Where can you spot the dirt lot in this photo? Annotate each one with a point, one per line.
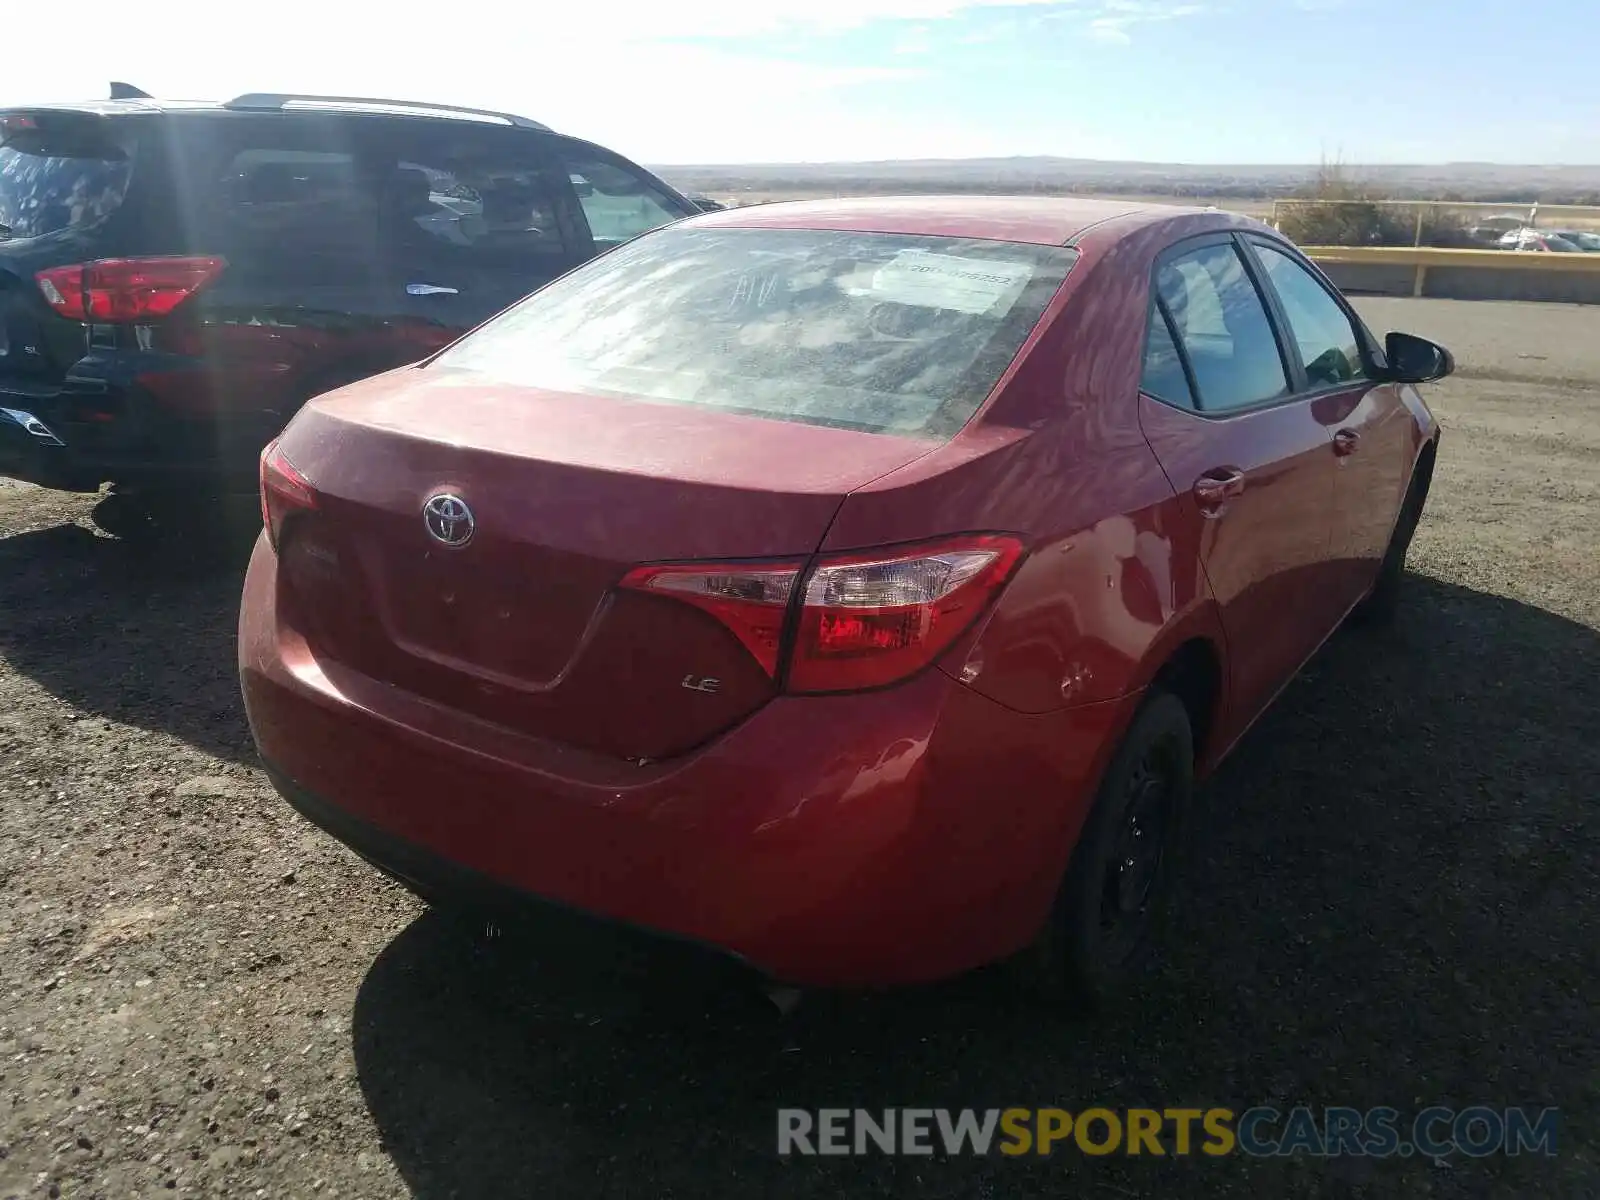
(1395, 903)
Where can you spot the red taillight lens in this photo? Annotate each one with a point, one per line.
(63, 290)
(284, 491)
(867, 620)
(751, 599)
(114, 290)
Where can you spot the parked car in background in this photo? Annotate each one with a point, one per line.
(858, 587)
(1584, 240)
(177, 279)
(706, 203)
(1543, 240)
(1490, 230)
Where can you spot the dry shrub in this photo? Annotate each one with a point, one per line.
(1336, 211)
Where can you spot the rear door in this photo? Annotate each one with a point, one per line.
(1251, 461)
(307, 300)
(475, 218)
(355, 243)
(1373, 431)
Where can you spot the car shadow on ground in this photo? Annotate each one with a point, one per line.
(1387, 906)
(140, 635)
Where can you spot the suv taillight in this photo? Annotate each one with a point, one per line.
(117, 290)
(864, 620)
(284, 491)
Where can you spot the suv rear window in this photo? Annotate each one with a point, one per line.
(878, 332)
(56, 180)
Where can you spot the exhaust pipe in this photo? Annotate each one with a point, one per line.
(33, 425)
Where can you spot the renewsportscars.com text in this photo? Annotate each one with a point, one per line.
(1436, 1132)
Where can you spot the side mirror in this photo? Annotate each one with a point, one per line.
(1416, 360)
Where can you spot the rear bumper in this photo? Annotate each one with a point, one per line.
(33, 451)
(866, 839)
(439, 880)
(51, 440)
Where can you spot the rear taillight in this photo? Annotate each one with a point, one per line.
(867, 620)
(114, 290)
(752, 600)
(863, 620)
(284, 491)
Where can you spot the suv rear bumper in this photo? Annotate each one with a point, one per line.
(33, 451)
(37, 446)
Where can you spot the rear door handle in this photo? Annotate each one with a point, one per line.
(1346, 442)
(1214, 489)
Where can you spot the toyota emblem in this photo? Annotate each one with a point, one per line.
(448, 519)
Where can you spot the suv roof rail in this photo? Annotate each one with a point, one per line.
(268, 101)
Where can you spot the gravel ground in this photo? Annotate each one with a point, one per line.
(1394, 902)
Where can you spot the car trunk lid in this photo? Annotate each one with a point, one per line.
(522, 623)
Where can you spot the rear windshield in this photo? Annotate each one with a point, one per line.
(877, 332)
(51, 181)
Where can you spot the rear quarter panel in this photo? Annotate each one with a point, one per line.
(1111, 585)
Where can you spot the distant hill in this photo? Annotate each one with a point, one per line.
(1494, 182)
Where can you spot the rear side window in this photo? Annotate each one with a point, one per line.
(59, 179)
(494, 204)
(403, 192)
(618, 203)
(1163, 376)
(290, 198)
(877, 332)
(1220, 319)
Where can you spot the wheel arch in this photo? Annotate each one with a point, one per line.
(1189, 659)
(1193, 672)
(1422, 469)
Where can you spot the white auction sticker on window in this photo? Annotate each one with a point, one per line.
(968, 285)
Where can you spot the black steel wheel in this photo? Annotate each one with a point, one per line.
(1108, 913)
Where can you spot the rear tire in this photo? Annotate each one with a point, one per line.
(129, 517)
(1112, 901)
(197, 523)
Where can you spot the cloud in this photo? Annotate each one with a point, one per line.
(915, 41)
(1110, 29)
(712, 20)
(1117, 17)
(718, 80)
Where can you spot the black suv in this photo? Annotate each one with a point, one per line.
(177, 279)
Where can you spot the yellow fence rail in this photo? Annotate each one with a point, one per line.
(1420, 258)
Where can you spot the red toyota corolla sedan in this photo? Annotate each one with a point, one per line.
(855, 587)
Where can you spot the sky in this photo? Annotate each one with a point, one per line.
(740, 81)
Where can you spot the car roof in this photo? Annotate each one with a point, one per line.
(1042, 220)
(286, 104)
(113, 108)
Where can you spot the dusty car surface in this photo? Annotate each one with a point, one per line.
(858, 587)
